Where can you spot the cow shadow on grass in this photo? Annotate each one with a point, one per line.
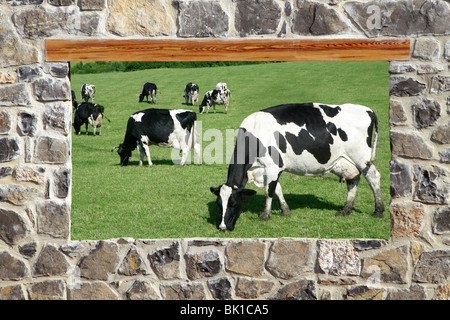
(158, 162)
(255, 205)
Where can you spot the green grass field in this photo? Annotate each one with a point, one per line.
(168, 201)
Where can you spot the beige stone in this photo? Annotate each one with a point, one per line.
(246, 257)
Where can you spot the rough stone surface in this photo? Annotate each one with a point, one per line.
(12, 227)
(100, 262)
(14, 95)
(433, 267)
(183, 291)
(443, 292)
(407, 219)
(364, 293)
(50, 89)
(402, 67)
(62, 178)
(444, 156)
(397, 114)
(401, 180)
(11, 268)
(142, 290)
(246, 258)
(220, 289)
(92, 291)
(427, 49)
(303, 289)
(28, 250)
(132, 264)
(53, 218)
(139, 17)
(433, 186)
(50, 262)
(12, 293)
(257, 17)
(442, 134)
(440, 84)
(290, 258)
(9, 149)
(251, 288)
(56, 117)
(166, 262)
(30, 174)
(51, 150)
(13, 51)
(204, 264)
(426, 113)
(338, 257)
(27, 124)
(17, 194)
(195, 19)
(405, 87)
(388, 266)
(441, 221)
(92, 5)
(5, 122)
(47, 290)
(409, 145)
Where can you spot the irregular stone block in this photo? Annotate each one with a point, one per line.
(426, 113)
(433, 186)
(13, 51)
(62, 179)
(60, 3)
(100, 262)
(183, 291)
(92, 291)
(409, 145)
(442, 134)
(203, 264)
(440, 84)
(407, 219)
(59, 70)
(201, 19)
(12, 293)
(17, 194)
(57, 117)
(47, 290)
(290, 258)
(252, 288)
(14, 95)
(444, 156)
(132, 264)
(92, 5)
(166, 262)
(9, 149)
(443, 292)
(50, 262)
(29, 174)
(397, 114)
(49, 89)
(28, 73)
(12, 227)
(441, 221)
(11, 268)
(405, 87)
(433, 267)
(5, 171)
(5, 122)
(28, 250)
(388, 266)
(429, 69)
(427, 49)
(303, 289)
(6, 77)
(257, 17)
(338, 257)
(401, 181)
(220, 289)
(51, 150)
(246, 258)
(400, 68)
(53, 218)
(27, 124)
(142, 290)
(364, 293)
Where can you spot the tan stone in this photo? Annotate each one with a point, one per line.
(407, 219)
(387, 266)
(92, 291)
(338, 257)
(246, 257)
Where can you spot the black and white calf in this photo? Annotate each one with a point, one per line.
(214, 97)
(87, 92)
(88, 113)
(149, 89)
(305, 139)
(161, 127)
(191, 93)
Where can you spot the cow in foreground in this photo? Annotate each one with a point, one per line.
(161, 127)
(89, 113)
(149, 89)
(214, 97)
(308, 139)
(191, 93)
(87, 92)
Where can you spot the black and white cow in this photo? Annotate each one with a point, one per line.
(161, 127)
(87, 92)
(308, 139)
(74, 100)
(88, 113)
(214, 97)
(191, 93)
(149, 89)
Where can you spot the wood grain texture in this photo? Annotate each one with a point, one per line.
(227, 50)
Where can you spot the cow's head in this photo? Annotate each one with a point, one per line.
(124, 154)
(230, 203)
(141, 97)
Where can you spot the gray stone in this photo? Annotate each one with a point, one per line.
(28, 174)
(14, 95)
(201, 19)
(338, 257)
(62, 178)
(302, 289)
(409, 145)
(13, 51)
(47, 290)
(444, 156)
(290, 258)
(53, 218)
(17, 194)
(50, 262)
(245, 257)
(441, 221)
(5, 171)
(12, 227)
(28, 73)
(166, 262)
(27, 124)
(9, 149)
(429, 69)
(362, 245)
(28, 250)
(427, 49)
(56, 117)
(415, 292)
(426, 113)
(363, 293)
(60, 70)
(433, 267)
(5, 122)
(257, 17)
(220, 289)
(447, 50)
(183, 291)
(142, 290)
(100, 262)
(92, 5)
(433, 186)
(49, 89)
(23, 2)
(386, 266)
(440, 84)
(92, 291)
(402, 67)
(252, 288)
(397, 114)
(203, 264)
(401, 181)
(132, 264)
(11, 268)
(288, 8)
(442, 134)
(12, 293)
(60, 3)
(405, 87)
(51, 150)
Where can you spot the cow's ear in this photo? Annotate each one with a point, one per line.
(248, 192)
(216, 191)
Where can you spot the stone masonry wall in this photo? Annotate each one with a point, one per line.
(39, 261)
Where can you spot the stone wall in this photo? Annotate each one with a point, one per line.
(39, 261)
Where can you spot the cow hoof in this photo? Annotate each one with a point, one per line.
(285, 211)
(343, 213)
(264, 216)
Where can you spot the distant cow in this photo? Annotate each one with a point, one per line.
(87, 92)
(191, 93)
(149, 89)
(214, 97)
(88, 113)
(74, 100)
(221, 86)
(161, 127)
(308, 139)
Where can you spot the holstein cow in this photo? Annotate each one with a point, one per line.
(214, 97)
(191, 93)
(149, 89)
(161, 127)
(87, 92)
(74, 100)
(89, 113)
(308, 139)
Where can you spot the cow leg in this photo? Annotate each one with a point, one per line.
(284, 206)
(86, 127)
(373, 178)
(144, 150)
(352, 186)
(272, 187)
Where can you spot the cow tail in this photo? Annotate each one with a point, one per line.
(374, 128)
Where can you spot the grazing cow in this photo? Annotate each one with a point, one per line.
(305, 139)
(87, 92)
(161, 127)
(191, 93)
(221, 86)
(89, 113)
(214, 97)
(149, 89)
